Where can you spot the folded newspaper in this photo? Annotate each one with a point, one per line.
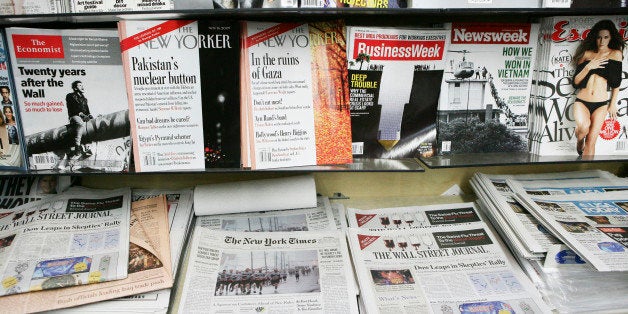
(594, 225)
(320, 217)
(503, 210)
(148, 266)
(180, 214)
(280, 272)
(444, 269)
(65, 240)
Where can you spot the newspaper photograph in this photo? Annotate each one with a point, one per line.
(444, 269)
(65, 240)
(19, 190)
(148, 265)
(320, 217)
(280, 272)
(594, 225)
(410, 217)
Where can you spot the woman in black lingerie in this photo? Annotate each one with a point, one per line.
(599, 70)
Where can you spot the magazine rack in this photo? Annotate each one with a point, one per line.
(353, 16)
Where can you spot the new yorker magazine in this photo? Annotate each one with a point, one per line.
(295, 95)
(72, 100)
(183, 85)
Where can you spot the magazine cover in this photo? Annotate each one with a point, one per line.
(41, 6)
(485, 92)
(395, 78)
(252, 4)
(12, 154)
(183, 86)
(71, 95)
(295, 95)
(588, 114)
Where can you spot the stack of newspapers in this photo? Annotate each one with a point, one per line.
(291, 256)
(435, 259)
(564, 228)
(124, 244)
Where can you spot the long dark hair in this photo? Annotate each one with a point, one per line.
(6, 119)
(590, 42)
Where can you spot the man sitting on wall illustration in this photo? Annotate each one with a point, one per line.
(78, 113)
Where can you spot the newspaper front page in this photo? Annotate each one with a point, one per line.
(65, 240)
(568, 186)
(594, 225)
(446, 269)
(275, 272)
(18, 190)
(148, 265)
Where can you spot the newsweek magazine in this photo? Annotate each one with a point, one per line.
(395, 78)
(295, 95)
(444, 269)
(12, 152)
(485, 95)
(594, 225)
(148, 266)
(410, 217)
(555, 130)
(183, 87)
(70, 121)
(308, 272)
(65, 240)
(18, 190)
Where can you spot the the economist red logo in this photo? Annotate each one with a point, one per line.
(38, 46)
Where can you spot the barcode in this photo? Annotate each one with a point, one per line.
(44, 159)
(621, 145)
(265, 156)
(311, 4)
(150, 160)
(445, 146)
(357, 148)
(556, 3)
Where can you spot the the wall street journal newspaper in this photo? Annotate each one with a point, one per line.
(65, 240)
(149, 266)
(594, 225)
(446, 269)
(179, 217)
(307, 272)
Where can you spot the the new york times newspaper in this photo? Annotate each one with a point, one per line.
(65, 240)
(283, 272)
(439, 270)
